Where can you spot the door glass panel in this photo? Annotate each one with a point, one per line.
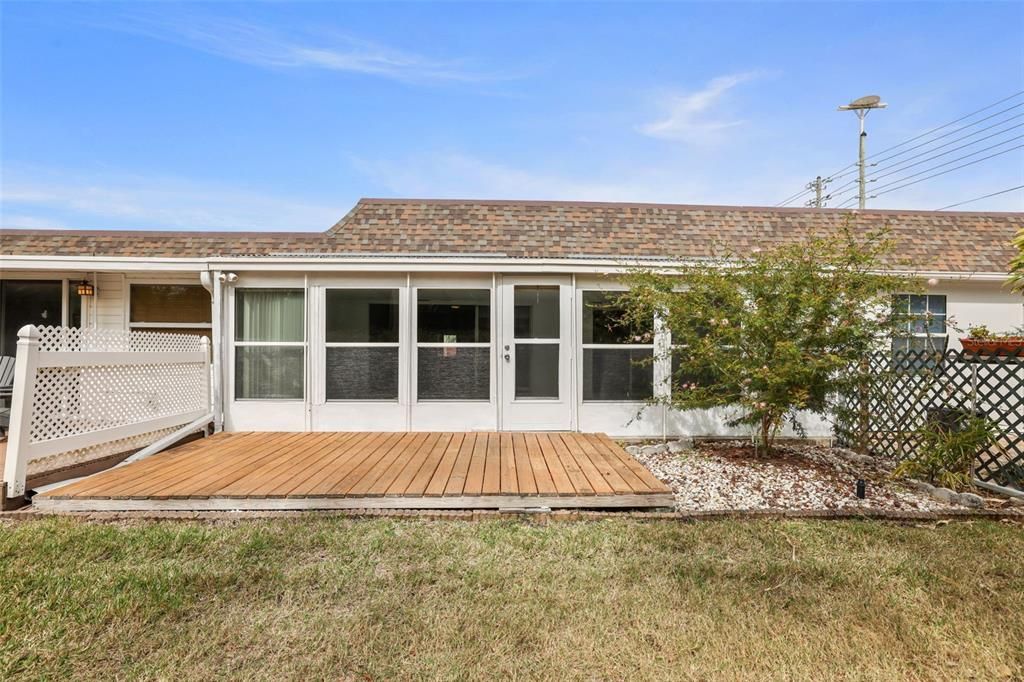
(453, 316)
(536, 370)
(27, 302)
(536, 312)
(362, 316)
(454, 373)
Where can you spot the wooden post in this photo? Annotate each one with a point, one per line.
(15, 464)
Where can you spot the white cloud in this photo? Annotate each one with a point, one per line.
(258, 45)
(690, 115)
(34, 197)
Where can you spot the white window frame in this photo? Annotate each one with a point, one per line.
(615, 346)
(417, 344)
(944, 336)
(236, 344)
(359, 344)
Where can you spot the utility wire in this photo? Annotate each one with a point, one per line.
(877, 177)
(970, 201)
(935, 175)
(925, 144)
(840, 173)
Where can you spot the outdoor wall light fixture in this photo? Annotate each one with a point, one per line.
(85, 288)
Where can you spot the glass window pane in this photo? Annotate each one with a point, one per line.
(614, 374)
(536, 312)
(355, 373)
(536, 370)
(937, 324)
(362, 316)
(602, 321)
(454, 373)
(172, 303)
(937, 305)
(918, 304)
(27, 302)
(269, 372)
(453, 315)
(269, 314)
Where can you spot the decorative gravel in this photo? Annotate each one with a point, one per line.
(729, 477)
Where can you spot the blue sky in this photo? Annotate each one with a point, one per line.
(281, 115)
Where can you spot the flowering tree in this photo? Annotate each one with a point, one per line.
(774, 332)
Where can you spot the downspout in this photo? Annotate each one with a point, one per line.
(211, 281)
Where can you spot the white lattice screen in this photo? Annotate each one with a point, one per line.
(82, 394)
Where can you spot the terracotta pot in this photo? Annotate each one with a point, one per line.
(1007, 345)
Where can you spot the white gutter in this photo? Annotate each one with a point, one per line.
(355, 263)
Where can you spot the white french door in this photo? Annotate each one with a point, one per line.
(534, 356)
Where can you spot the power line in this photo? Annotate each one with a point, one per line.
(854, 166)
(970, 201)
(969, 125)
(928, 177)
(903, 165)
(945, 125)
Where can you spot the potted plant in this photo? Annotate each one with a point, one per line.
(981, 341)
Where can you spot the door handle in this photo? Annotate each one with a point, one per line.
(508, 358)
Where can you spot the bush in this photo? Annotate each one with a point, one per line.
(948, 448)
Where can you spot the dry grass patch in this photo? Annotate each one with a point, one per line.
(333, 597)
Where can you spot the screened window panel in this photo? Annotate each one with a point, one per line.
(362, 316)
(453, 315)
(703, 378)
(269, 315)
(614, 374)
(269, 372)
(361, 373)
(454, 373)
(536, 312)
(169, 303)
(602, 321)
(537, 370)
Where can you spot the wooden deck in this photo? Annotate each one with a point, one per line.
(270, 470)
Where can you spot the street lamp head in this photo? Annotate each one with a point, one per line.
(868, 102)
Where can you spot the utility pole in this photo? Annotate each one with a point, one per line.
(861, 107)
(818, 184)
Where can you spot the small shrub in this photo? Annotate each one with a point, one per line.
(947, 451)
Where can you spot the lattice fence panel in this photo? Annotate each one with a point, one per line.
(75, 400)
(94, 340)
(89, 393)
(911, 388)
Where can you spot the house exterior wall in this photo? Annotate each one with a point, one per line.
(968, 302)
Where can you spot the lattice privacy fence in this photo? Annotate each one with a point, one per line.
(911, 389)
(82, 394)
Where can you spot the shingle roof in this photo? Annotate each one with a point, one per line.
(940, 241)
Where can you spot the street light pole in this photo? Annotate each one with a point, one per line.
(861, 107)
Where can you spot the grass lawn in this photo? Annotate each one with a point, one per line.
(324, 597)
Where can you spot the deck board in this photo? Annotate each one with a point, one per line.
(324, 470)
